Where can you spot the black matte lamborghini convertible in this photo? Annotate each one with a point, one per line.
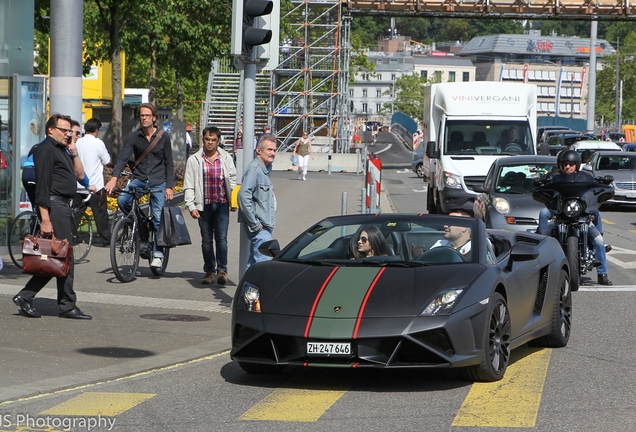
(438, 292)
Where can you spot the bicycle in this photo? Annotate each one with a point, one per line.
(28, 223)
(132, 238)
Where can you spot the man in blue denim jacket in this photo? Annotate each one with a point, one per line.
(257, 202)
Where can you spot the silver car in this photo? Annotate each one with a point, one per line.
(505, 200)
(621, 166)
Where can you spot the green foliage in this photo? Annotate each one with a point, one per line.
(409, 95)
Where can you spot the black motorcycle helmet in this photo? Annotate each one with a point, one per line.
(569, 156)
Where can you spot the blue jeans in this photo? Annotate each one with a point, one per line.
(594, 237)
(256, 239)
(157, 202)
(213, 223)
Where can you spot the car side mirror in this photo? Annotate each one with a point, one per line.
(431, 151)
(586, 167)
(270, 248)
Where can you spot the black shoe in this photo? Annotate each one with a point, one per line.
(608, 248)
(26, 308)
(604, 280)
(75, 313)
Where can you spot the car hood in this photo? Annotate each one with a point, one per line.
(354, 291)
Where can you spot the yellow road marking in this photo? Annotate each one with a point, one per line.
(513, 401)
(293, 405)
(632, 231)
(99, 404)
(605, 221)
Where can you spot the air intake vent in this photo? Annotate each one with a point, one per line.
(521, 238)
(541, 289)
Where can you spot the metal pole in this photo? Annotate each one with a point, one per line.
(343, 210)
(617, 110)
(363, 200)
(249, 102)
(591, 91)
(66, 58)
(329, 161)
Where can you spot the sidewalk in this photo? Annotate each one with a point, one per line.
(150, 322)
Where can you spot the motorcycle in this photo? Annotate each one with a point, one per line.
(573, 204)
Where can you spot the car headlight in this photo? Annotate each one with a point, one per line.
(251, 296)
(452, 181)
(443, 303)
(572, 208)
(501, 205)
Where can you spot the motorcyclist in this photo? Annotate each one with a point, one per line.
(569, 163)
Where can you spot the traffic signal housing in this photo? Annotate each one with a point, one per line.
(255, 32)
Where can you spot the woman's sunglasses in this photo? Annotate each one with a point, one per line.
(363, 239)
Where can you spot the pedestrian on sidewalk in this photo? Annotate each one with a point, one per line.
(303, 149)
(210, 176)
(93, 154)
(257, 202)
(57, 169)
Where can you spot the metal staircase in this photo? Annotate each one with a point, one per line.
(225, 98)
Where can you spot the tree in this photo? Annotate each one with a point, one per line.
(409, 95)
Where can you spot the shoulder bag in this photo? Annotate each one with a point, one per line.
(46, 257)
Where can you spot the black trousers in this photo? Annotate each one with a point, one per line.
(62, 219)
(100, 213)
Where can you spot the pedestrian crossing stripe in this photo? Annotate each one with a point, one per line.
(293, 405)
(512, 402)
(93, 404)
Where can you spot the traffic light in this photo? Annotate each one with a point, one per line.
(255, 32)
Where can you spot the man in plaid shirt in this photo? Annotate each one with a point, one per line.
(209, 179)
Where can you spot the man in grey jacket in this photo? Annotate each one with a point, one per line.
(209, 179)
(256, 198)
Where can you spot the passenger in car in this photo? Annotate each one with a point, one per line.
(370, 243)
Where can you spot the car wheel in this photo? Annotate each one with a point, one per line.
(419, 170)
(561, 316)
(495, 345)
(264, 369)
(573, 261)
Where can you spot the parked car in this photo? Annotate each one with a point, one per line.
(542, 129)
(621, 166)
(506, 192)
(567, 139)
(586, 147)
(418, 159)
(629, 147)
(421, 304)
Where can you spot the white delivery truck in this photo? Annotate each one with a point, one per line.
(467, 125)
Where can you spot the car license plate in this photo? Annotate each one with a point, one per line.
(328, 348)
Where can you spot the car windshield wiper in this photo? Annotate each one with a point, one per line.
(403, 263)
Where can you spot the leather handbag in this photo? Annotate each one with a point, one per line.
(46, 257)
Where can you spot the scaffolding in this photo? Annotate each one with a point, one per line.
(309, 89)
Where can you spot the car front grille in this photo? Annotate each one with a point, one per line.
(472, 181)
(630, 186)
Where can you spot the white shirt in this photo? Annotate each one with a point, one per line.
(188, 140)
(443, 242)
(93, 154)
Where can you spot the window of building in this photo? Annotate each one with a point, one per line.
(465, 76)
(379, 77)
(351, 107)
(378, 92)
(378, 107)
(351, 92)
(451, 76)
(438, 76)
(393, 77)
(364, 107)
(364, 92)
(424, 74)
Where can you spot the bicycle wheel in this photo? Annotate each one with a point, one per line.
(82, 237)
(158, 271)
(24, 224)
(124, 250)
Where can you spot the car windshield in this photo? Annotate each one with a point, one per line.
(404, 241)
(615, 163)
(519, 179)
(484, 137)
